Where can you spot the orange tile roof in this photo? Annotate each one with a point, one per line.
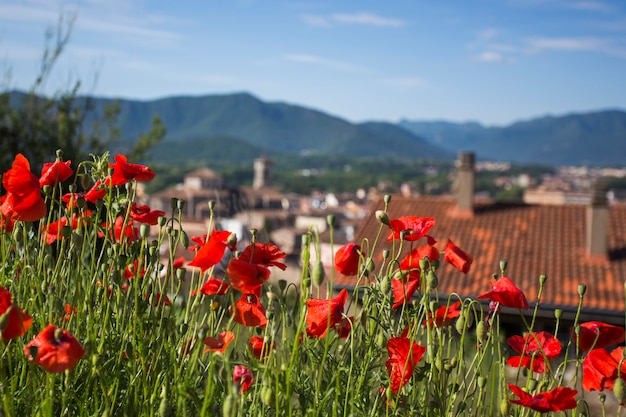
(535, 239)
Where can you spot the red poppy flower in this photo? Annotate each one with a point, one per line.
(344, 327)
(125, 230)
(213, 286)
(534, 349)
(259, 347)
(412, 259)
(403, 356)
(212, 251)
(6, 223)
(123, 171)
(414, 227)
(323, 314)
(220, 343)
(263, 254)
(178, 262)
(158, 299)
(600, 369)
(23, 200)
(143, 214)
(247, 277)
(403, 289)
(199, 242)
(69, 312)
(14, 322)
(557, 399)
(606, 334)
(242, 377)
(444, 315)
(55, 172)
(347, 259)
(249, 311)
(457, 257)
(52, 231)
(506, 293)
(94, 194)
(55, 350)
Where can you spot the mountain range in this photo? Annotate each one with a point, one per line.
(240, 127)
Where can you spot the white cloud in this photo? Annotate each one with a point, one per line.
(361, 18)
(324, 63)
(364, 18)
(586, 44)
(594, 6)
(315, 20)
(489, 56)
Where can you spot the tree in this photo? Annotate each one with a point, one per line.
(36, 126)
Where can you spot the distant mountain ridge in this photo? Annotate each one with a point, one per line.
(239, 125)
(594, 138)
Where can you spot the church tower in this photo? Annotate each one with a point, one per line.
(262, 172)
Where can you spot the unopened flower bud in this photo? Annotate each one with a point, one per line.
(144, 230)
(432, 280)
(385, 253)
(385, 285)
(267, 395)
(382, 217)
(180, 204)
(482, 382)
(558, 313)
(582, 289)
(618, 391)
(228, 406)
(532, 384)
(318, 274)
(211, 205)
(161, 220)
(460, 324)
(232, 239)
(503, 264)
(481, 331)
(542, 279)
(505, 407)
(282, 284)
(387, 198)
(330, 219)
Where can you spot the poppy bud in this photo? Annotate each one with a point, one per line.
(173, 203)
(542, 279)
(481, 331)
(232, 239)
(505, 407)
(228, 406)
(432, 280)
(382, 217)
(330, 219)
(165, 408)
(387, 198)
(211, 205)
(582, 289)
(84, 182)
(370, 265)
(482, 382)
(385, 285)
(72, 188)
(380, 339)
(558, 313)
(532, 384)
(144, 230)
(267, 395)
(282, 284)
(317, 274)
(460, 324)
(385, 253)
(503, 265)
(47, 190)
(618, 391)
(180, 204)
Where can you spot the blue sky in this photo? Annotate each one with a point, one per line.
(492, 61)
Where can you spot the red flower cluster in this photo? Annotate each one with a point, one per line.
(347, 259)
(14, 322)
(412, 227)
(506, 293)
(220, 343)
(123, 171)
(403, 356)
(534, 349)
(600, 369)
(250, 269)
(323, 314)
(54, 349)
(243, 378)
(557, 399)
(23, 199)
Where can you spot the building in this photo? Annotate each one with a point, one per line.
(571, 244)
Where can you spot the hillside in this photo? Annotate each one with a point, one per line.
(272, 127)
(597, 138)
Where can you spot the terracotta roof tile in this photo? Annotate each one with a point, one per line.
(535, 239)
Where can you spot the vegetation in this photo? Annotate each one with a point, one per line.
(98, 316)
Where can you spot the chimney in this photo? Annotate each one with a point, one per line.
(597, 226)
(465, 185)
(262, 167)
